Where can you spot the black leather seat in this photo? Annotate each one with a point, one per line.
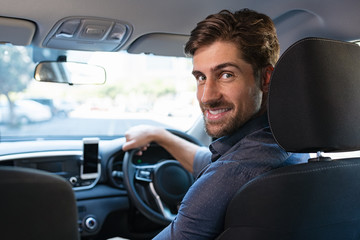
(314, 106)
(36, 205)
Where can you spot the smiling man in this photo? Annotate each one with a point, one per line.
(228, 93)
(233, 58)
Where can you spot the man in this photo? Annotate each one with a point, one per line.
(233, 58)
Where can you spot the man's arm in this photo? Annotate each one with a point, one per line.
(141, 136)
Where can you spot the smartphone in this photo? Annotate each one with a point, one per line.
(90, 166)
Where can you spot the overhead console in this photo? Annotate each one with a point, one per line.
(88, 33)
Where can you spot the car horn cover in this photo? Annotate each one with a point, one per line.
(171, 182)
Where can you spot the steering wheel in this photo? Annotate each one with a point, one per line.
(166, 183)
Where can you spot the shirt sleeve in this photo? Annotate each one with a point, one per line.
(202, 211)
(202, 159)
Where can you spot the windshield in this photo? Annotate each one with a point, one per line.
(140, 89)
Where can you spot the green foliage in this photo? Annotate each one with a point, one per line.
(16, 68)
(156, 87)
(110, 90)
(152, 87)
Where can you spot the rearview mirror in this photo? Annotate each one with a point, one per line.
(71, 73)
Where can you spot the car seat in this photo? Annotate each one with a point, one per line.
(313, 107)
(36, 205)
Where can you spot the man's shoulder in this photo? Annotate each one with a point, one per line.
(258, 140)
(257, 150)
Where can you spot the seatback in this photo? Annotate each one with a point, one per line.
(36, 205)
(314, 106)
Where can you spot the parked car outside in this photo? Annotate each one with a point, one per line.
(59, 108)
(25, 112)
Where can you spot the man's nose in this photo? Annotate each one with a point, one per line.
(211, 91)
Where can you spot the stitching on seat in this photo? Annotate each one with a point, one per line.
(300, 172)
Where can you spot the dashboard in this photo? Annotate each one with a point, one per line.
(103, 205)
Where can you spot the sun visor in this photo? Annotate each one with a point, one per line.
(89, 34)
(160, 44)
(16, 31)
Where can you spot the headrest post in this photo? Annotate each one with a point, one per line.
(319, 157)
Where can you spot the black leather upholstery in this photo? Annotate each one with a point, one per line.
(314, 97)
(319, 200)
(314, 105)
(36, 205)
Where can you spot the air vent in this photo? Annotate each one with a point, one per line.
(114, 171)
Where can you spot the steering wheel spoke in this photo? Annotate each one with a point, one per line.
(144, 173)
(164, 210)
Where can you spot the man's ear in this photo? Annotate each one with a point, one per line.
(265, 81)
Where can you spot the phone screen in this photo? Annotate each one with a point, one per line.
(89, 168)
(91, 152)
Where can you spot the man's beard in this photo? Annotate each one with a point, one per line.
(233, 122)
(221, 128)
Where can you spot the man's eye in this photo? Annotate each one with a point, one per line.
(201, 78)
(226, 75)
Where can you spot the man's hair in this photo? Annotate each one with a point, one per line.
(254, 33)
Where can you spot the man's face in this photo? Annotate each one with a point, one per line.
(226, 88)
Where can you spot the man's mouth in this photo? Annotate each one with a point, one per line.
(215, 114)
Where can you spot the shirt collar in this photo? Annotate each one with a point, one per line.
(223, 144)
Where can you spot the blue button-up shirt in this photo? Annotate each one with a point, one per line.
(235, 160)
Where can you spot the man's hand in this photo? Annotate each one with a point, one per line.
(140, 137)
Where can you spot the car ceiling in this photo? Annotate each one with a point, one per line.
(162, 26)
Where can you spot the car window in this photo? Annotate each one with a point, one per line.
(140, 89)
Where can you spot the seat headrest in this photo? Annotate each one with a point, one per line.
(314, 98)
